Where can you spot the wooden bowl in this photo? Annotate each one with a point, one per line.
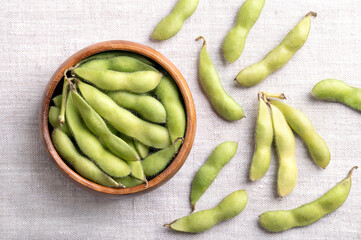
(182, 155)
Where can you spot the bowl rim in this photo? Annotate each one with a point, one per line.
(121, 45)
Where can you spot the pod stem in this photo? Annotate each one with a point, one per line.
(312, 14)
(204, 40)
(145, 182)
(274, 95)
(121, 185)
(193, 207)
(350, 172)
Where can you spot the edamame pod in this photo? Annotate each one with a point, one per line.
(90, 145)
(171, 24)
(264, 138)
(338, 91)
(129, 181)
(286, 147)
(279, 56)
(83, 166)
(303, 127)
(57, 100)
(235, 40)
(220, 156)
(222, 103)
(147, 106)
(229, 207)
(279, 221)
(138, 82)
(158, 161)
(142, 149)
(53, 119)
(99, 128)
(124, 121)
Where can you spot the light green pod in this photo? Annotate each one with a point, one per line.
(138, 82)
(168, 93)
(64, 96)
(222, 103)
(129, 181)
(220, 156)
(229, 207)
(279, 221)
(142, 149)
(124, 121)
(112, 54)
(155, 163)
(171, 24)
(235, 40)
(57, 100)
(146, 106)
(303, 127)
(83, 166)
(338, 91)
(279, 56)
(100, 129)
(286, 147)
(264, 137)
(90, 145)
(53, 119)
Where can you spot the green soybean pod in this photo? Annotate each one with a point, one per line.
(100, 129)
(112, 54)
(229, 207)
(338, 91)
(146, 106)
(138, 82)
(204, 177)
(235, 40)
(53, 119)
(168, 93)
(155, 163)
(279, 56)
(171, 24)
(129, 181)
(303, 127)
(142, 149)
(222, 103)
(124, 121)
(83, 166)
(57, 100)
(286, 147)
(282, 220)
(264, 138)
(90, 145)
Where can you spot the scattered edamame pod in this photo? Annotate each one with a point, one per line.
(138, 82)
(235, 40)
(100, 129)
(338, 91)
(142, 149)
(90, 145)
(279, 56)
(222, 103)
(171, 24)
(303, 127)
(264, 137)
(147, 106)
(220, 156)
(286, 147)
(124, 121)
(279, 221)
(53, 119)
(57, 100)
(229, 207)
(158, 161)
(83, 166)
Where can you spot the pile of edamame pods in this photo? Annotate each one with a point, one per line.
(119, 120)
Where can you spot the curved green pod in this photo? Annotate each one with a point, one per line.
(264, 137)
(53, 119)
(118, 53)
(286, 147)
(57, 100)
(303, 127)
(171, 24)
(279, 56)
(338, 91)
(222, 103)
(282, 220)
(137, 82)
(142, 149)
(83, 166)
(229, 207)
(124, 121)
(235, 40)
(204, 177)
(90, 145)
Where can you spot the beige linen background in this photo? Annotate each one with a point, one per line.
(37, 202)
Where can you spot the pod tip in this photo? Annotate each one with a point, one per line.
(204, 40)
